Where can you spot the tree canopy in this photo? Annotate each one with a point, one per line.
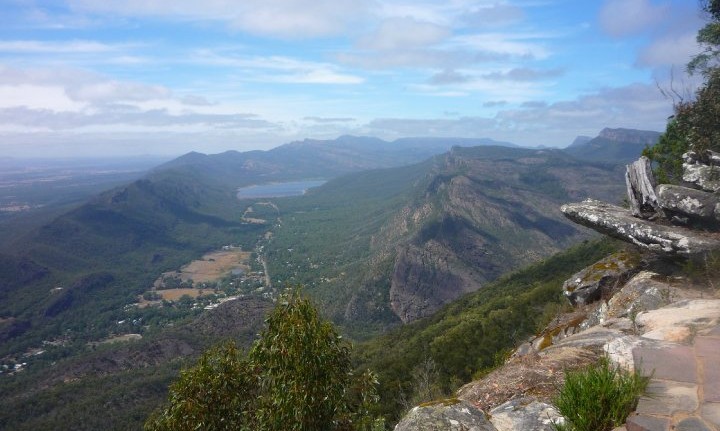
(695, 125)
(297, 376)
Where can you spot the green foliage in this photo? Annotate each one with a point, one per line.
(297, 376)
(667, 153)
(598, 398)
(470, 336)
(695, 125)
(709, 38)
(215, 394)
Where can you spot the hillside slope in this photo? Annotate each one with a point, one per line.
(394, 245)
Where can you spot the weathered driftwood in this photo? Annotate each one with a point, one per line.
(618, 222)
(640, 184)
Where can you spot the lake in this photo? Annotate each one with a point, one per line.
(278, 190)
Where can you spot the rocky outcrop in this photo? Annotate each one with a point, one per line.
(618, 222)
(587, 285)
(643, 292)
(637, 318)
(425, 278)
(686, 202)
(642, 137)
(450, 415)
(654, 208)
(649, 321)
(703, 170)
(525, 414)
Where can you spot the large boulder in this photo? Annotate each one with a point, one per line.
(450, 415)
(696, 204)
(705, 176)
(587, 285)
(618, 222)
(644, 292)
(525, 414)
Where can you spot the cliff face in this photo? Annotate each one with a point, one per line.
(614, 145)
(644, 309)
(659, 321)
(631, 136)
(479, 216)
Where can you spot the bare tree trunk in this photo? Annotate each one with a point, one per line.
(641, 189)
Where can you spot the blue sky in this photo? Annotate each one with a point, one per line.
(102, 77)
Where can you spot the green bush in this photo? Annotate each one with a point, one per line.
(598, 398)
(695, 125)
(297, 376)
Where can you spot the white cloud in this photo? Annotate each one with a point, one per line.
(116, 91)
(496, 15)
(626, 17)
(391, 128)
(537, 122)
(44, 119)
(37, 97)
(522, 45)
(524, 74)
(329, 119)
(669, 50)
(408, 58)
(276, 69)
(639, 106)
(449, 76)
(72, 100)
(277, 18)
(64, 47)
(403, 33)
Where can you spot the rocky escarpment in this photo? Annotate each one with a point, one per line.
(637, 308)
(651, 319)
(484, 212)
(670, 219)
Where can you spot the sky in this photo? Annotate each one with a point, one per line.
(164, 77)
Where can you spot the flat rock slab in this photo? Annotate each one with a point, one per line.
(619, 222)
(708, 347)
(668, 398)
(711, 413)
(647, 423)
(674, 363)
(711, 381)
(677, 322)
(692, 424)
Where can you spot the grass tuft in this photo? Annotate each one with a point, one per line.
(598, 398)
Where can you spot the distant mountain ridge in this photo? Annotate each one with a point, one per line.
(417, 232)
(315, 158)
(450, 225)
(613, 145)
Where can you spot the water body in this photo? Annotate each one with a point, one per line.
(278, 190)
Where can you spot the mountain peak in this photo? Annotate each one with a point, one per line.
(580, 140)
(633, 136)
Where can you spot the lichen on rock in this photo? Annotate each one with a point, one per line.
(456, 416)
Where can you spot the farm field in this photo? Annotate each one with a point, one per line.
(211, 267)
(175, 294)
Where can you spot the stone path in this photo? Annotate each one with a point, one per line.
(684, 393)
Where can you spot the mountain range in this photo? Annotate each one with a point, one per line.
(400, 229)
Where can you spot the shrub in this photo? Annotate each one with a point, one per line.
(598, 398)
(297, 376)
